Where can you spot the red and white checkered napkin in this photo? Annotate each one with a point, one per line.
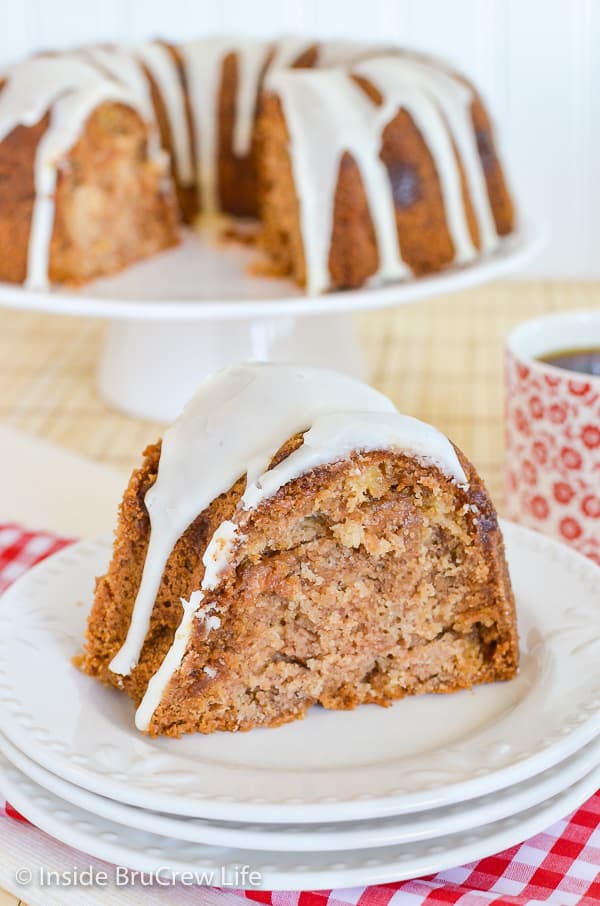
(560, 866)
(20, 550)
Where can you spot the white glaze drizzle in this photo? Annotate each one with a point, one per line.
(204, 66)
(454, 97)
(251, 61)
(286, 51)
(163, 69)
(335, 437)
(340, 53)
(327, 114)
(172, 660)
(232, 427)
(217, 553)
(121, 65)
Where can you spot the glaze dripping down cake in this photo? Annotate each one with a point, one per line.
(359, 161)
(295, 540)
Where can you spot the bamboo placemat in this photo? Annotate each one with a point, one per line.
(440, 360)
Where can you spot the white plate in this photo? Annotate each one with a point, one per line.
(377, 832)
(200, 280)
(333, 766)
(152, 853)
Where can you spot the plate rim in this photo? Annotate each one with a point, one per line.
(512, 251)
(350, 809)
(540, 788)
(439, 857)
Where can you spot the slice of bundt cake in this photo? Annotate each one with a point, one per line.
(295, 540)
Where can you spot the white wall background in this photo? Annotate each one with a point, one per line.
(537, 62)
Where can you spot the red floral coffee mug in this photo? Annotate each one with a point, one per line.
(552, 465)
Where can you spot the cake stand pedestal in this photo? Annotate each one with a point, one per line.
(196, 308)
(150, 369)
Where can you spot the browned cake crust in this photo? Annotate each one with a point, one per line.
(500, 197)
(362, 581)
(17, 153)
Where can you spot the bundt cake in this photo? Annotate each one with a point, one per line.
(360, 161)
(295, 540)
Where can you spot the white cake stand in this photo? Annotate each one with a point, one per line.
(196, 308)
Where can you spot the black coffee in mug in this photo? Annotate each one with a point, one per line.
(585, 361)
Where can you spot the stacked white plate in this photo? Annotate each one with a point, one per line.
(339, 799)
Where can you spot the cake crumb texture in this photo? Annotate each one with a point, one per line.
(362, 581)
